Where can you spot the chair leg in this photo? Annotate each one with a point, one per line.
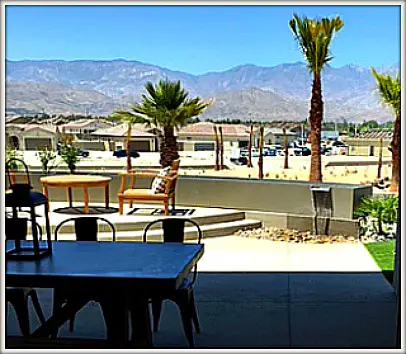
(131, 203)
(193, 311)
(120, 206)
(184, 307)
(166, 207)
(173, 201)
(37, 306)
(57, 302)
(156, 304)
(71, 323)
(21, 308)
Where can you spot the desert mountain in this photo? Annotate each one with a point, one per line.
(246, 92)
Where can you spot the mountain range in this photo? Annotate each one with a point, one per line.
(244, 92)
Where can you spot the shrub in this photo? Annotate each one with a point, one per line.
(69, 154)
(383, 210)
(48, 159)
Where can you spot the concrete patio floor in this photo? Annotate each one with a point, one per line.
(261, 294)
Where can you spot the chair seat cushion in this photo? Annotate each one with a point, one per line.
(143, 194)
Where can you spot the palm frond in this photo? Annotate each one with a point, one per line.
(314, 39)
(389, 89)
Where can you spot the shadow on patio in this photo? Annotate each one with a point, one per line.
(268, 310)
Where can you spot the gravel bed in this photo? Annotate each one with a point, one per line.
(296, 236)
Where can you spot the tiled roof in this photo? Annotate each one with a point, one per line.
(29, 127)
(121, 131)
(277, 131)
(376, 134)
(206, 128)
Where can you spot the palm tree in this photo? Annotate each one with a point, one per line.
(249, 164)
(389, 90)
(221, 147)
(261, 147)
(167, 107)
(217, 167)
(285, 149)
(380, 158)
(314, 39)
(129, 119)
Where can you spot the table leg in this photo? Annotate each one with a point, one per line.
(51, 326)
(86, 199)
(140, 320)
(45, 192)
(115, 313)
(107, 195)
(69, 196)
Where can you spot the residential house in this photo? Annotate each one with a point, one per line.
(367, 144)
(274, 136)
(143, 139)
(31, 136)
(201, 136)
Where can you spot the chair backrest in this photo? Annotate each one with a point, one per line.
(17, 228)
(86, 228)
(173, 229)
(21, 190)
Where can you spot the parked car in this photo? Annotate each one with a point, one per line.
(269, 151)
(123, 153)
(302, 151)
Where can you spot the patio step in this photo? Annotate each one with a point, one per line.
(132, 223)
(209, 230)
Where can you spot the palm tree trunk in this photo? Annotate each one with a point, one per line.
(395, 149)
(249, 163)
(315, 118)
(380, 158)
(261, 159)
(285, 145)
(169, 147)
(217, 167)
(127, 147)
(221, 150)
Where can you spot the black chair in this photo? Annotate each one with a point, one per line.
(20, 194)
(86, 229)
(174, 231)
(18, 297)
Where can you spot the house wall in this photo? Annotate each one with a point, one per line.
(228, 142)
(363, 147)
(37, 134)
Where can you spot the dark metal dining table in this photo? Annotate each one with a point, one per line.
(121, 273)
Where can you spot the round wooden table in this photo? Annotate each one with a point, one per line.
(77, 181)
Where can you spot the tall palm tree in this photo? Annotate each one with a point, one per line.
(217, 167)
(221, 147)
(314, 39)
(261, 152)
(167, 107)
(129, 119)
(389, 90)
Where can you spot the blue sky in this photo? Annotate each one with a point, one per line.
(196, 39)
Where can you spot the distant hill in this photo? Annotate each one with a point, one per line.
(280, 92)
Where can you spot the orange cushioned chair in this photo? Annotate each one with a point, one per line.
(132, 194)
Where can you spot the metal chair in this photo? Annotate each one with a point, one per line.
(86, 229)
(174, 231)
(18, 298)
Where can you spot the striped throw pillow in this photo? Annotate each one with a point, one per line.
(159, 184)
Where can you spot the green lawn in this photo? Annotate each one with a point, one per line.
(384, 255)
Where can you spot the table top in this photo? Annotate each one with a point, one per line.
(60, 180)
(130, 264)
